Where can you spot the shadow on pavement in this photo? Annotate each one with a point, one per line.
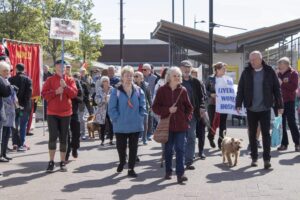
(293, 161)
(96, 167)
(230, 174)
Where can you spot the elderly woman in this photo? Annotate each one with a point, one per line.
(172, 99)
(7, 117)
(103, 92)
(127, 109)
(220, 70)
(139, 80)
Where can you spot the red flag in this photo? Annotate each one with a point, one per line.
(29, 55)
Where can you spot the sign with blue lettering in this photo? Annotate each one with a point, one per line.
(226, 93)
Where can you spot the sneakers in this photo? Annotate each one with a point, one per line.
(254, 163)
(50, 167)
(190, 167)
(297, 148)
(62, 166)
(282, 148)
(2, 159)
(131, 173)
(181, 179)
(22, 148)
(120, 168)
(267, 164)
(7, 158)
(202, 156)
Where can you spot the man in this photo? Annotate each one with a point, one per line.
(74, 137)
(196, 96)
(258, 90)
(288, 80)
(111, 75)
(58, 91)
(24, 83)
(46, 75)
(5, 91)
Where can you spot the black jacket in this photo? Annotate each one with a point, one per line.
(271, 88)
(78, 99)
(5, 91)
(211, 89)
(24, 85)
(199, 95)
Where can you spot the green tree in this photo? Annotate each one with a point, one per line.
(90, 42)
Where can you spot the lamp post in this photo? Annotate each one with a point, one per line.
(121, 33)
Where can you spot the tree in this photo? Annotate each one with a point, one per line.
(90, 42)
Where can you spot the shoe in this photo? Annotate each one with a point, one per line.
(258, 144)
(190, 167)
(120, 168)
(254, 163)
(149, 139)
(202, 156)
(211, 141)
(74, 153)
(7, 158)
(22, 148)
(63, 167)
(267, 165)
(50, 167)
(83, 137)
(282, 148)
(29, 134)
(102, 143)
(111, 143)
(219, 143)
(2, 159)
(132, 173)
(145, 143)
(168, 176)
(181, 179)
(297, 148)
(15, 147)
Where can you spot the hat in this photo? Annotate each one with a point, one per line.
(20, 67)
(59, 62)
(186, 63)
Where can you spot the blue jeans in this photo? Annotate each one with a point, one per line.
(177, 140)
(19, 133)
(190, 142)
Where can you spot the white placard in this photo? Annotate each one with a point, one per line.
(64, 29)
(226, 93)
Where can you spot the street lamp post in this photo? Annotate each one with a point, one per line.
(121, 33)
(211, 31)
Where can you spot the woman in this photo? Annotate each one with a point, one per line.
(139, 81)
(103, 92)
(172, 99)
(8, 109)
(127, 108)
(58, 91)
(220, 70)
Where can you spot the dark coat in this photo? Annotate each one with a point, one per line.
(271, 88)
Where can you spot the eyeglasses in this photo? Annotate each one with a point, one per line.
(144, 70)
(136, 76)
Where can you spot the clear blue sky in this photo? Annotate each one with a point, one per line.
(141, 16)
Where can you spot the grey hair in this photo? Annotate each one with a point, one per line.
(4, 65)
(103, 78)
(172, 71)
(147, 65)
(139, 73)
(256, 53)
(111, 67)
(284, 60)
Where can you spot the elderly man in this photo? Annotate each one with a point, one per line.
(111, 74)
(288, 80)
(196, 95)
(258, 89)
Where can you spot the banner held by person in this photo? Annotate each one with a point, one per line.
(226, 93)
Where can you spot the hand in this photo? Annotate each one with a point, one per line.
(173, 109)
(280, 111)
(202, 112)
(63, 83)
(59, 90)
(238, 110)
(213, 95)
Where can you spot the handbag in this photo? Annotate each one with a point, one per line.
(161, 133)
(276, 135)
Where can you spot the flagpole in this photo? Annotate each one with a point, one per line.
(62, 62)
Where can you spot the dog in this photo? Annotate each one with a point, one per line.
(92, 126)
(231, 147)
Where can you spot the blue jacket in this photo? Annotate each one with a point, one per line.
(127, 117)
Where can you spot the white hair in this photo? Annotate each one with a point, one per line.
(284, 60)
(147, 66)
(171, 71)
(139, 73)
(256, 53)
(103, 78)
(4, 65)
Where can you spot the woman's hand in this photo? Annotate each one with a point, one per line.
(173, 109)
(213, 95)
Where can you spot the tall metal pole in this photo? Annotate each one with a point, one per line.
(211, 32)
(173, 6)
(183, 12)
(121, 33)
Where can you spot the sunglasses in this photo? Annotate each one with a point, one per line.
(144, 69)
(136, 76)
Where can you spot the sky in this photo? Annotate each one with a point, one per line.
(141, 16)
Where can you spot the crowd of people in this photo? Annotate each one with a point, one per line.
(129, 108)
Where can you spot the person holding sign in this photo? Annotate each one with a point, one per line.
(216, 119)
(58, 91)
(258, 90)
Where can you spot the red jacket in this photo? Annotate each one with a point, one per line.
(56, 106)
(165, 98)
(289, 85)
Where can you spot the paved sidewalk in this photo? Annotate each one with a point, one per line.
(93, 175)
